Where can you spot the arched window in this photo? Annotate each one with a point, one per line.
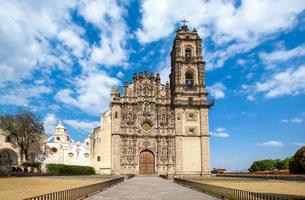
(188, 54)
(189, 80)
(116, 114)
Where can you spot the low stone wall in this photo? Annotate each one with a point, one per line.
(265, 176)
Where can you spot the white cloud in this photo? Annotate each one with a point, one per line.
(284, 120)
(220, 132)
(21, 95)
(26, 27)
(164, 69)
(50, 121)
(296, 120)
(120, 74)
(271, 143)
(299, 144)
(84, 126)
(217, 90)
(289, 82)
(107, 16)
(282, 55)
(247, 25)
(92, 92)
(71, 37)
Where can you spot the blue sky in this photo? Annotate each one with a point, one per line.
(62, 58)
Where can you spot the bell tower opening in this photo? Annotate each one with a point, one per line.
(189, 80)
(188, 54)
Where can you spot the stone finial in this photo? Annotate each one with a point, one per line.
(115, 92)
(158, 77)
(140, 74)
(146, 73)
(167, 84)
(134, 77)
(151, 76)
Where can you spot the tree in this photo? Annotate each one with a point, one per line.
(25, 130)
(263, 165)
(297, 162)
(283, 164)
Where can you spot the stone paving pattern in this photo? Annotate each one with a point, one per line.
(149, 188)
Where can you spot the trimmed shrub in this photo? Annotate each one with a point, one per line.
(61, 169)
(297, 163)
(34, 164)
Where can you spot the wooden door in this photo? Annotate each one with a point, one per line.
(147, 163)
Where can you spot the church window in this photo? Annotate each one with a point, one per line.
(57, 138)
(99, 140)
(189, 80)
(53, 150)
(146, 126)
(99, 158)
(86, 155)
(70, 155)
(188, 54)
(116, 114)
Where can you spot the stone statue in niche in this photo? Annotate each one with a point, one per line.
(163, 117)
(130, 116)
(163, 154)
(146, 90)
(146, 110)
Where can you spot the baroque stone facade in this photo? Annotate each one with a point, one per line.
(157, 128)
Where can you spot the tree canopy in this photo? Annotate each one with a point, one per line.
(25, 130)
(297, 163)
(269, 165)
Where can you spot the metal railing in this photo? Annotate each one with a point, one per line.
(79, 192)
(229, 193)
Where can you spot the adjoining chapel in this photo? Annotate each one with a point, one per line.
(154, 128)
(63, 149)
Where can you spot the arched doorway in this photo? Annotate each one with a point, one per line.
(147, 162)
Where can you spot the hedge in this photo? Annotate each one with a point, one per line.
(61, 169)
(34, 164)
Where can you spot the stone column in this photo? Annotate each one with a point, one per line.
(116, 154)
(205, 146)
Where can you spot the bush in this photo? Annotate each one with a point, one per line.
(34, 164)
(269, 165)
(214, 171)
(297, 163)
(61, 169)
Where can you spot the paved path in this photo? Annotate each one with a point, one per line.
(149, 188)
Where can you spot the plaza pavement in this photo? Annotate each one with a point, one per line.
(149, 188)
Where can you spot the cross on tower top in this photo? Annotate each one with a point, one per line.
(184, 21)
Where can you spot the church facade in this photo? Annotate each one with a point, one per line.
(154, 128)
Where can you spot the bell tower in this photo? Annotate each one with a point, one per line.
(189, 101)
(187, 76)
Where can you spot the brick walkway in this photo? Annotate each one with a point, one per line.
(149, 188)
